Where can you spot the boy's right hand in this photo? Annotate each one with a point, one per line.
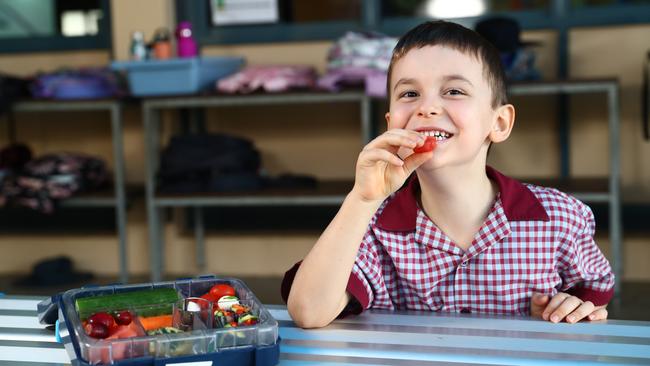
(380, 171)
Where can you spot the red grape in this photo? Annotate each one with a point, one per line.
(96, 330)
(102, 318)
(123, 318)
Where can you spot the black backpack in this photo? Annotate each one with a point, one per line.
(209, 163)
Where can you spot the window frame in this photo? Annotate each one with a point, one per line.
(101, 41)
(560, 14)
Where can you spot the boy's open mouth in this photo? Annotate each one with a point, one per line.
(437, 134)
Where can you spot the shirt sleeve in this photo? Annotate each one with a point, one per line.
(585, 271)
(358, 285)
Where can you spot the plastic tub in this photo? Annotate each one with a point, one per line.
(177, 76)
(255, 345)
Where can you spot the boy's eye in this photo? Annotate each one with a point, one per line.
(454, 92)
(409, 94)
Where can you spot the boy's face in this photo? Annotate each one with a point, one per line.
(438, 90)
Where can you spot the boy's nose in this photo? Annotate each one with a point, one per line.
(428, 110)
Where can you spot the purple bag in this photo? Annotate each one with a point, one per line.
(77, 84)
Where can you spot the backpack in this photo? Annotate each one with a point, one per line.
(209, 163)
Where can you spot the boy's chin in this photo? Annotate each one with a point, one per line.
(430, 165)
(436, 165)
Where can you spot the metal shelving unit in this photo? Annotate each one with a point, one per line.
(328, 192)
(605, 190)
(589, 190)
(117, 198)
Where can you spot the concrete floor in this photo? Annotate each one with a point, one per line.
(634, 303)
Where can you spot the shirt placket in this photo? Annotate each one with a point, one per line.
(495, 228)
(462, 285)
(429, 234)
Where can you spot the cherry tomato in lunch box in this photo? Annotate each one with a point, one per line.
(208, 297)
(220, 290)
(429, 145)
(102, 318)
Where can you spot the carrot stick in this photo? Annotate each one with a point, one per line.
(155, 322)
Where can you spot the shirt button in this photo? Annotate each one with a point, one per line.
(465, 311)
(463, 264)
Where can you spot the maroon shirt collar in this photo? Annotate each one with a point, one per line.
(519, 203)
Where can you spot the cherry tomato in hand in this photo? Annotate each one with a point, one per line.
(219, 290)
(429, 145)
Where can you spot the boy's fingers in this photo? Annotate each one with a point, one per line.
(413, 161)
(567, 307)
(581, 312)
(396, 138)
(372, 156)
(540, 299)
(598, 314)
(555, 302)
(537, 303)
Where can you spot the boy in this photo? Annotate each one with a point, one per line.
(458, 236)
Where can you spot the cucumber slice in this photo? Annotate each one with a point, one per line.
(149, 302)
(247, 317)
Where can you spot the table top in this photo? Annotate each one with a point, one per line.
(388, 338)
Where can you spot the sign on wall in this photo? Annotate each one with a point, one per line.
(234, 12)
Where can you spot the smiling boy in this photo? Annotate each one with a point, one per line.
(456, 236)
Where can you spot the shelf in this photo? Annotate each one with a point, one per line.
(326, 193)
(291, 97)
(333, 193)
(114, 198)
(40, 105)
(584, 189)
(564, 86)
(102, 198)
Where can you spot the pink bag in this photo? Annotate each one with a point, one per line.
(271, 78)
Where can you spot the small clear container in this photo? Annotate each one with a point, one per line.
(192, 313)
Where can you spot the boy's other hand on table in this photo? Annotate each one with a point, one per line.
(565, 307)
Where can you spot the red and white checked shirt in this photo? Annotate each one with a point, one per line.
(534, 239)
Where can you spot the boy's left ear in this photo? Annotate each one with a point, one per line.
(503, 123)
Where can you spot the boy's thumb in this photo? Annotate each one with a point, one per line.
(413, 161)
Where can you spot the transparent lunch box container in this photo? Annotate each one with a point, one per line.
(203, 336)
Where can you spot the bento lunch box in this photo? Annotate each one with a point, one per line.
(207, 337)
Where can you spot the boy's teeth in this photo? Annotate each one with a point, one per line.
(438, 135)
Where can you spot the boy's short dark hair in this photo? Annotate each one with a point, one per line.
(457, 37)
